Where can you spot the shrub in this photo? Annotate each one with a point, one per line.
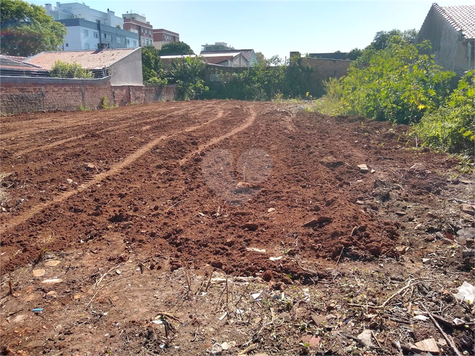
(69, 70)
(450, 128)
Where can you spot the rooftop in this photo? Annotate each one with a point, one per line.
(461, 17)
(87, 59)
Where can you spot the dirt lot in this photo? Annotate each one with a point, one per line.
(226, 228)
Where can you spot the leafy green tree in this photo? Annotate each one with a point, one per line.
(382, 38)
(450, 128)
(152, 69)
(354, 54)
(189, 74)
(175, 48)
(396, 83)
(70, 70)
(26, 29)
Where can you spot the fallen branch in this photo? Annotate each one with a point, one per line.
(398, 292)
(446, 337)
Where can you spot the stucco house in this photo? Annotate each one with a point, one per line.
(451, 31)
(123, 65)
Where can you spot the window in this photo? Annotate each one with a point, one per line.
(135, 43)
(128, 41)
(86, 33)
(67, 44)
(96, 34)
(105, 36)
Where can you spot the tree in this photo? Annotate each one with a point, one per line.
(70, 70)
(381, 39)
(27, 29)
(189, 74)
(354, 54)
(175, 48)
(152, 69)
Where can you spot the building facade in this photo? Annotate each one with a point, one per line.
(451, 31)
(89, 29)
(138, 24)
(162, 36)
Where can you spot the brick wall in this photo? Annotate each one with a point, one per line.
(19, 95)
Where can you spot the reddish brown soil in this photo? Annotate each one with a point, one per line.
(153, 198)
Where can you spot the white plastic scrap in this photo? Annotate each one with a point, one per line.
(466, 293)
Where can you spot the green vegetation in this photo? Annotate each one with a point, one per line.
(27, 29)
(67, 70)
(450, 127)
(152, 69)
(176, 48)
(188, 73)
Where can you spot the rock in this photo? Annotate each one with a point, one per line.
(271, 210)
(418, 167)
(216, 349)
(243, 187)
(90, 166)
(69, 180)
(228, 345)
(363, 168)
(52, 263)
(428, 345)
(52, 281)
(365, 337)
(467, 233)
(468, 208)
(255, 249)
(39, 272)
(311, 340)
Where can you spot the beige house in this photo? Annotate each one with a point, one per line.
(451, 31)
(123, 65)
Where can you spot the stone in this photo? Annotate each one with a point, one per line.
(39, 272)
(52, 281)
(365, 337)
(468, 208)
(363, 168)
(271, 210)
(52, 263)
(467, 233)
(428, 345)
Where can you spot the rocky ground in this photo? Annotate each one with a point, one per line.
(230, 228)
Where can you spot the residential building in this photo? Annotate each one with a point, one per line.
(91, 29)
(124, 66)
(138, 24)
(451, 31)
(228, 59)
(228, 56)
(162, 36)
(78, 10)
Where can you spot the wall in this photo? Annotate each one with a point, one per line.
(128, 70)
(326, 68)
(26, 94)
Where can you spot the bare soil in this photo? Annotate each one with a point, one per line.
(226, 228)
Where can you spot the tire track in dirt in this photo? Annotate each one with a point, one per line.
(113, 171)
(214, 141)
(165, 119)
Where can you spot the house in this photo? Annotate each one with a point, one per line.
(91, 29)
(139, 25)
(13, 66)
(451, 31)
(123, 65)
(225, 59)
(162, 36)
(231, 57)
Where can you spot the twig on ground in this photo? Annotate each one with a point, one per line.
(398, 292)
(98, 283)
(446, 337)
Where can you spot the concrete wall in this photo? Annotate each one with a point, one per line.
(448, 46)
(26, 94)
(128, 71)
(326, 68)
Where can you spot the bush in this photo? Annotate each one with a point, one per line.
(396, 84)
(67, 70)
(450, 128)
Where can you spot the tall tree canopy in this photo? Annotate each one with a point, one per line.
(26, 29)
(175, 48)
(381, 39)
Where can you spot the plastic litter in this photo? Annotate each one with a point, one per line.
(466, 293)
